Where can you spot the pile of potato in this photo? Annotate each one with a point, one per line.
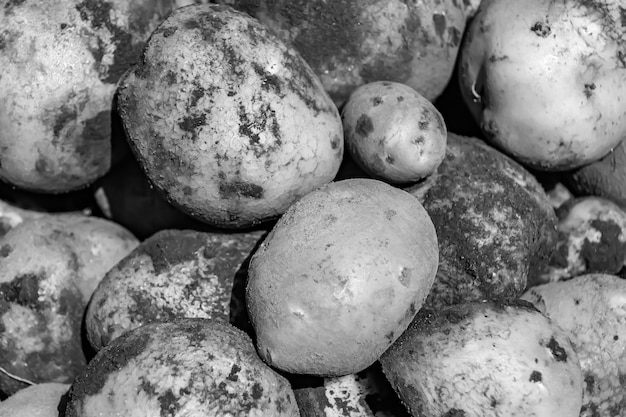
(371, 208)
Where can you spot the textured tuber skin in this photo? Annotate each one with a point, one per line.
(275, 135)
(495, 224)
(546, 79)
(349, 43)
(61, 61)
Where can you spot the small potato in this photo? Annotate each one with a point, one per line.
(485, 359)
(49, 266)
(172, 274)
(393, 132)
(187, 367)
(591, 308)
(340, 276)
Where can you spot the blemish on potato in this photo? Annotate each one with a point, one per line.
(377, 101)
(588, 91)
(269, 82)
(97, 128)
(608, 254)
(590, 381)
(405, 277)
(191, 123)
(454, 412)
(166, 252)
(5, 250)
(22, 290)
(439, 20)
(535, 376)
(541, 29)
(556, 350)
(364, 125)
(166, 31)
(67, 115)
(245, 189)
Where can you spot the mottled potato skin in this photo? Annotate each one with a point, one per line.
(592, 309)
(353, 42)
(186, 367)
(340, 276)
(495, 224)
(485, 359)
(393, 132)
(545, 79)
(49, 266)
(230, 123)
(172, 274)
(591, 239)
(61, 60)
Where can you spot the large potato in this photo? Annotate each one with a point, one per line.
(495, 224)
(49, 266)
(229, 122)
(340, 276)
(350, 43)
(61, 60)
(546, 80)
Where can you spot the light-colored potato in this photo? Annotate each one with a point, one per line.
(186, 367)
(340, 276)
(49, 266)
(39, 400)
(229, 122)
(172, 274)
(61, 60)
(546, 80)
(591, 308)
(485, 359)
(393, 132)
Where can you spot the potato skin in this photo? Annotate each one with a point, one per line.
(340, 276)
(48, 268)
(495, 224)
(485, 359)
(274, 136)
(60, 63)
(210, 369)
(349, 43)
(591, 309)
(545, 79)
(172, 274)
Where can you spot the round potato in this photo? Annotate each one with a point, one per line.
(545, 79)
(186, 367)
(592, 309)
(495, 225)
(485, 359)
(354, 42)
(38, 400)
(229, 122)
(340, 276)
(393, 132)
(172, 274)
(49, 266)
(61, 61)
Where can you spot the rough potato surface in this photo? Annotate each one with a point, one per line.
(172, 274)
(495, 224)
(592, 309)
(350, 43)
(61, 60)
(485, 359)
(187, 367)
(229, 122)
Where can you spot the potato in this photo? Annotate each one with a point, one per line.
(495, 224)
(39, 400)
(340, 276)
(174, 273)
(186, 367)
(591, 239)
(49, 266)
(485, 359)
(591, 308)
(393, 132)
(604, 178)
(544, 79)
(350, 43)
(60, 64)
(227, 121)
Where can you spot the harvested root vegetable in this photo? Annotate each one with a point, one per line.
(591, 308)
(228, 122)
(485, 359)
(545, 79)
(591, 239)
(495, 225)
(38, 400)
(394, 133)
(186, 367)
(340, 277)
(172, 274)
